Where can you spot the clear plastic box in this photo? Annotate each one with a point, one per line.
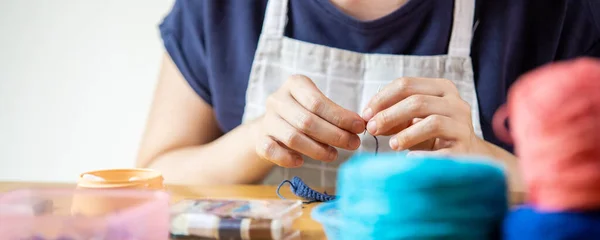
(84, 214)
(235, 219)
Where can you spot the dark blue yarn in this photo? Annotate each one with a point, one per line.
(376, 145)
(528, 223)
(300, 189)
(376, 142)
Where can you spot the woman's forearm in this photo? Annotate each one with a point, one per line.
(230, 159)
(510, 161)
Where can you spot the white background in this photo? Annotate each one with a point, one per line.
(76, 81)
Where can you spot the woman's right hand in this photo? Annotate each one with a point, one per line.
(300, 120)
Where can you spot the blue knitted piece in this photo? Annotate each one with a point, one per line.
(527, 223)
(300, 189)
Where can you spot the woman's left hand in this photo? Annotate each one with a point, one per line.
(423, 114)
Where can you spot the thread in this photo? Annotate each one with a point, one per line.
(300, 189)
(395, 196)
(554, 115)
(376, 145)
(528, 223)
(376, 142)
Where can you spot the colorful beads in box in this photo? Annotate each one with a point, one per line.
(554, 116)
(392, 196)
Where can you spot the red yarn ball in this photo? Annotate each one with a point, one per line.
(554, 114)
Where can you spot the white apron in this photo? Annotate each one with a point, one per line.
(350, 79)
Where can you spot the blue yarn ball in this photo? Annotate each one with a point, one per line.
(423, 230)
(527, 223)
(392, 196)
(398, 172)
(417, 206)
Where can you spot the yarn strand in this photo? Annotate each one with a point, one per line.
(376, 145)
(376, 142)
(281, 184)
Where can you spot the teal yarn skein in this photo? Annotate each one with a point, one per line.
(395, 196)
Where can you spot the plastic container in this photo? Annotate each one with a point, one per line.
(138, 178)
(52, 214)
(327, 215)
(235, 219)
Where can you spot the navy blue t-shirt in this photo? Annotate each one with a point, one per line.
(212, 42)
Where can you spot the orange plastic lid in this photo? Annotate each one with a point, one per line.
(116, 178)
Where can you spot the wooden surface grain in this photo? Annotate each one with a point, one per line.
(309, 229)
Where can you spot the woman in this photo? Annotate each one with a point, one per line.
(261, 90)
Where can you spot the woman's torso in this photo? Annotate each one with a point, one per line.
(213, 42)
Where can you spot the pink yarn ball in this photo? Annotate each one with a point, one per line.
(554, 114)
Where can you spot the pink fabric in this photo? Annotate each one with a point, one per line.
(554, 114)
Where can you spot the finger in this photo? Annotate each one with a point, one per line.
(426, 145)
(295, 140)
(433, 126)
(402, 88)
(401, 114)
(305, 92)
(398, 128)
(314, 126)
(273, 151)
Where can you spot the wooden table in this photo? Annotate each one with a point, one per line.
(308, 227)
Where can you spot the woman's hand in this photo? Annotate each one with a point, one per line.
(299, 119)
(424, 114)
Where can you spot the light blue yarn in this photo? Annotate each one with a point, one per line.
(394, 196)
(419, 207)
(421, 231)
(328, 215)
(395, 172)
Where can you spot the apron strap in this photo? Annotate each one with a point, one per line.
(275, 19)
(462, 28)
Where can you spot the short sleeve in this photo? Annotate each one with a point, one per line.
(183, 38)
(594, 9)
